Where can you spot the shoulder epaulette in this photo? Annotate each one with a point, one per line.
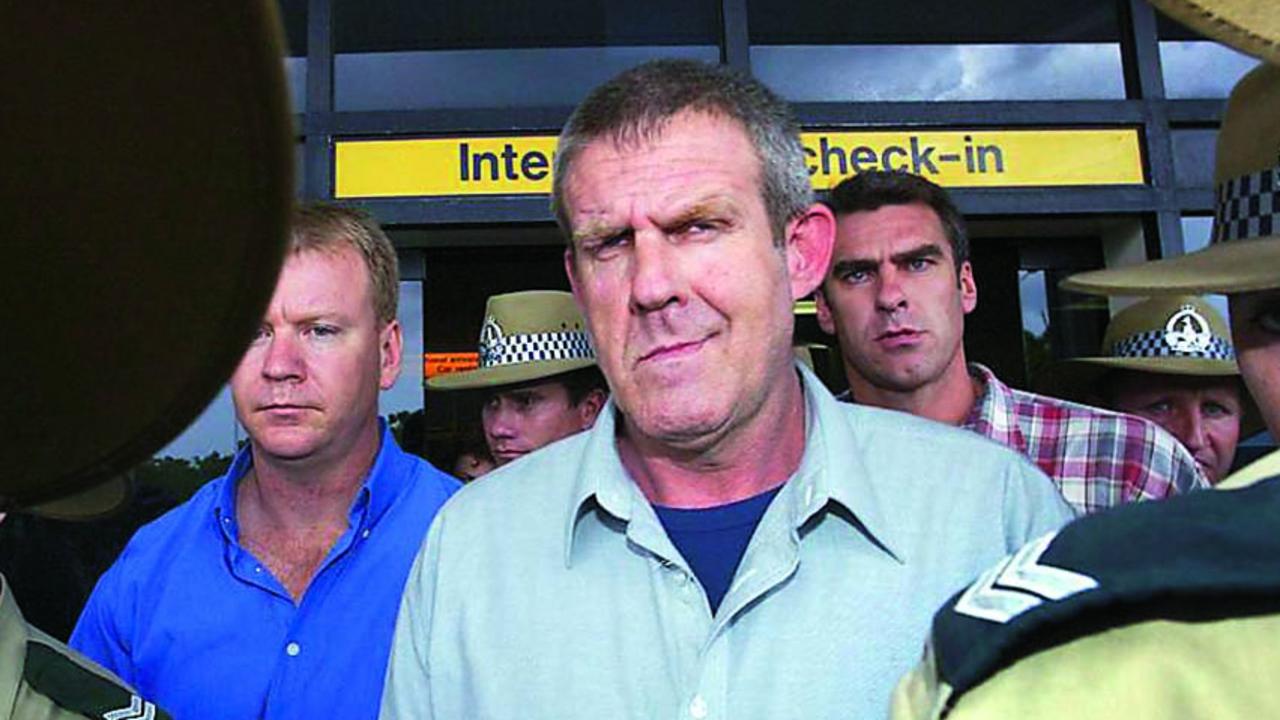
(1202, 556)
(73, 686)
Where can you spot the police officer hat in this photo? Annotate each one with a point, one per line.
(1245, 250)
(1167, 335)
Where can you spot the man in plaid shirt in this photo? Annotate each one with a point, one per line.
(896, 294)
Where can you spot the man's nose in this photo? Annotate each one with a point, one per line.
(1190, 429)
(500, 420)
(890, 295)
(283, 359)
(656, 278)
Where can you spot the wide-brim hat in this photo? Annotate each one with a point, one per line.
(525, 336)
(1252, 26)
(1244, 254)
(1169, 335)
(143, 203)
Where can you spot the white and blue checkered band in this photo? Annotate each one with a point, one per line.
(1248, 207)
(499, 350)
(1153, 343)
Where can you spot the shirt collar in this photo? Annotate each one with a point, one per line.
(830, 442)
(600, 477)
(993, 415)
(386, 479)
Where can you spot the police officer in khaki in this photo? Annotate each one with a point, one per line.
(1170, 360)
(537, 371)
(143, 205)
(39, 676)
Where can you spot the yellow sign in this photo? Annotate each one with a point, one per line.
(953, 158)
(982, 158)
(436, 363)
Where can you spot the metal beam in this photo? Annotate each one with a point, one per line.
(318, 161)
(735, 40)
(1195, 112)
(499, 209)
(1049, 113)
(1144, 75)
(1030, 112)
(435, 122)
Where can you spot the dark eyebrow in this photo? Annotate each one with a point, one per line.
(843, 267)
(931, 250)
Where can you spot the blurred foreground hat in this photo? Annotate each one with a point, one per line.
(144, 199)
(1171, 335)
(1252, 26)
(1244, 254)
(525, 336)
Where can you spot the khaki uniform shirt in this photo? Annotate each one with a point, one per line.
(42, 679)
(1153, 610)
(1264, 467)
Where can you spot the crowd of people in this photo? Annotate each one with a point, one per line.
(672, 516)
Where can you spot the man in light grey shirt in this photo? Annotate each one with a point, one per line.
(728, 541)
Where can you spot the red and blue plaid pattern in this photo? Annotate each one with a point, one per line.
(1098, 458)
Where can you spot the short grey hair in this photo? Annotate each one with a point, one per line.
(634, 108)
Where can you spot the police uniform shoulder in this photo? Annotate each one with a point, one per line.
(74, 683)
(1203, 556)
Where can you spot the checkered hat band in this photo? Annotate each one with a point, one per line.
(1248, 207)
(1152, 344)
(536, 347)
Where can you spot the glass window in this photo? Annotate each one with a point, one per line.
(293, 14)
(406, 394)
(939, 50)
(1194, 151)
(1196, 231)
(1034, 299)
(1195, 67)
(399, 55)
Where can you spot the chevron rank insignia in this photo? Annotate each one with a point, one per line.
(1185, 557)
(70, 682)
(1019, 584)
(138, 709)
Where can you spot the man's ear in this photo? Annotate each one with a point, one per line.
(391, 351)
(968, 288)
(590, 407)
(826, 320)
(810, 239)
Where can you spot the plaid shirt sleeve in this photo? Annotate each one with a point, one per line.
(1169, 467)
(1097, 458)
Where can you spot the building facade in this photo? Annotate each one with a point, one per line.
(1074, 135)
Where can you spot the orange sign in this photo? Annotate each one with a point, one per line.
(444, 363)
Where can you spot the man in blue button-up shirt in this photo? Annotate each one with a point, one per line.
(727, 541)
(272, 593)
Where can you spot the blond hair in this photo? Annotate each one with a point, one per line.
(329, 228)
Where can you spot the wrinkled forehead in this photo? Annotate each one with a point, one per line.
(613, 165)
(891, 228)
